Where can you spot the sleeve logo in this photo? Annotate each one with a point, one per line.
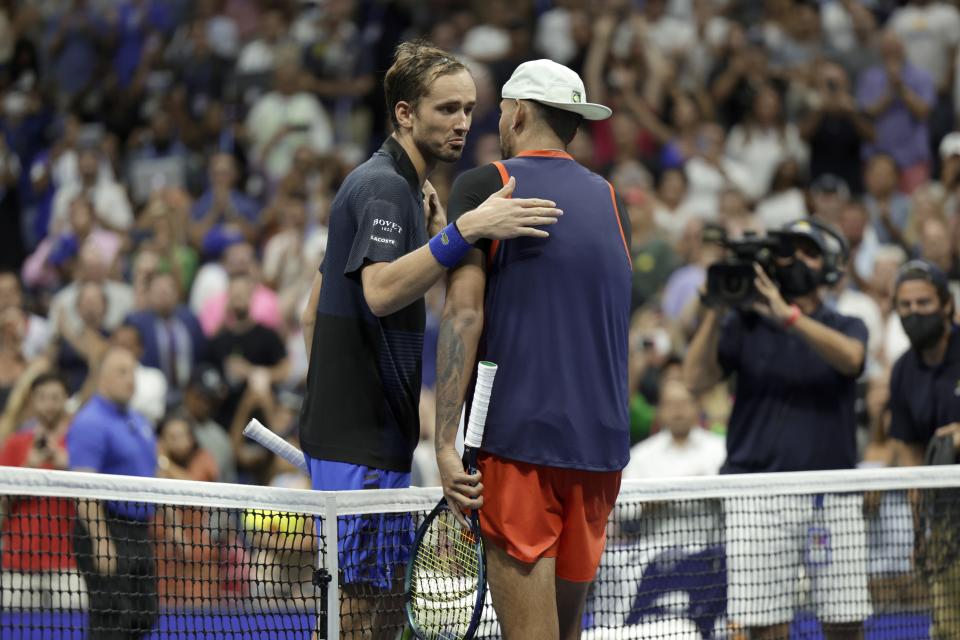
(387, 226)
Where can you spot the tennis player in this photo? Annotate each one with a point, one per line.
(360, 421)
(553, 313)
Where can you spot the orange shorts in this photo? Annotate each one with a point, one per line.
(533, 511)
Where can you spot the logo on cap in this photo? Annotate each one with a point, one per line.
(576, 97)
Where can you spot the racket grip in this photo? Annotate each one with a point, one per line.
(260, 434)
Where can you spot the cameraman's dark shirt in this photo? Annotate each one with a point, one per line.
(922, 398)
(793, 411)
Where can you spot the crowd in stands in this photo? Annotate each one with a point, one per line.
(167, 166)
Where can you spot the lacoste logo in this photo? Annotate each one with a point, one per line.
(577, 97)
(444, 239)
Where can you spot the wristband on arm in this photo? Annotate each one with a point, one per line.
(794, 316)
(449, 247)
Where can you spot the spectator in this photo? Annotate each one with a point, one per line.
(763, 141)
(260, 55)
(925, 416)
(829, 194)
(669, 212)
(835, 128)
(710, 171)
(786, 200)
(150, 384)
(34, 328)
(201, 402)
(889, 208)
(930, 32)
(285, 119)
(179, 454)
(112, 538)
(854, 223)
(284, 262)
(92, 267)
(246, 351)
(74, 42)
(110, 204)
(210, 291)
(222, 213)
(36, 531)
(681, 447)
(785, 350)
(172, 338)
(899, 97)
(77, 352)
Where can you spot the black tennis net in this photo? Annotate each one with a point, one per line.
(87, 556)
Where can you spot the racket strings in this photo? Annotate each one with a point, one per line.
(445, 577)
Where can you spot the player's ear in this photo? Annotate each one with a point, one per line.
(521, 116)
(405, 113)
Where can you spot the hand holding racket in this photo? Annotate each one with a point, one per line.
(446, 584)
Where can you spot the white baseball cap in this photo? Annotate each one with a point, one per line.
(950, 145)
(554, 85)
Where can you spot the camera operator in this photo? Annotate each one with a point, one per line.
(925, 418)
(796, 363)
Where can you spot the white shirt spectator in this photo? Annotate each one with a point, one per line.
(661, 456)
(672, 222)
(859, 305)
(929, 35)
(780, 208)
(109, 200)
(554, 38)
(211, 280)
(705, 182)
(119, 305)
(671, 35)
(761, 151)
(303, 114)
(36, 337)
(150, 393)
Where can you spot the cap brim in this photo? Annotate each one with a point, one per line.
(589, 110)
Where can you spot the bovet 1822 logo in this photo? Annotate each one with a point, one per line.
(386, 226)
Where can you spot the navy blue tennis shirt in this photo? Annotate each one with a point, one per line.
(793, 411)
(922, 398)
(556, 318)
(115, 440)
(363, 384)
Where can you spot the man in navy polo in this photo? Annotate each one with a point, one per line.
(111, 538)
(796, 363)
(925, 406)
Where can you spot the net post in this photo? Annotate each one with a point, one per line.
(332, 565)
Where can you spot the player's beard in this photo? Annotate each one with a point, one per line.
(439, 151)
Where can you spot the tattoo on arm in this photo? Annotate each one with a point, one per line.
(451, 381)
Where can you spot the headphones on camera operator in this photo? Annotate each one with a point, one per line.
(832, 244)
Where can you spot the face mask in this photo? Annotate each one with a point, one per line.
(796, 279)
(923, 329)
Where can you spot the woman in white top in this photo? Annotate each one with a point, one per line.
(764, 140)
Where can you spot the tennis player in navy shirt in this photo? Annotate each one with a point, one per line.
(360, 421)
(796, 363)
(111, 538)
(554, 314)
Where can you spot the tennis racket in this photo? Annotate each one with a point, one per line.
(446, 584)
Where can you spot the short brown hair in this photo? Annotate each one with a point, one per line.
(416, 64)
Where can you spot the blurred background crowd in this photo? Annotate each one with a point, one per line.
(166, 170)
